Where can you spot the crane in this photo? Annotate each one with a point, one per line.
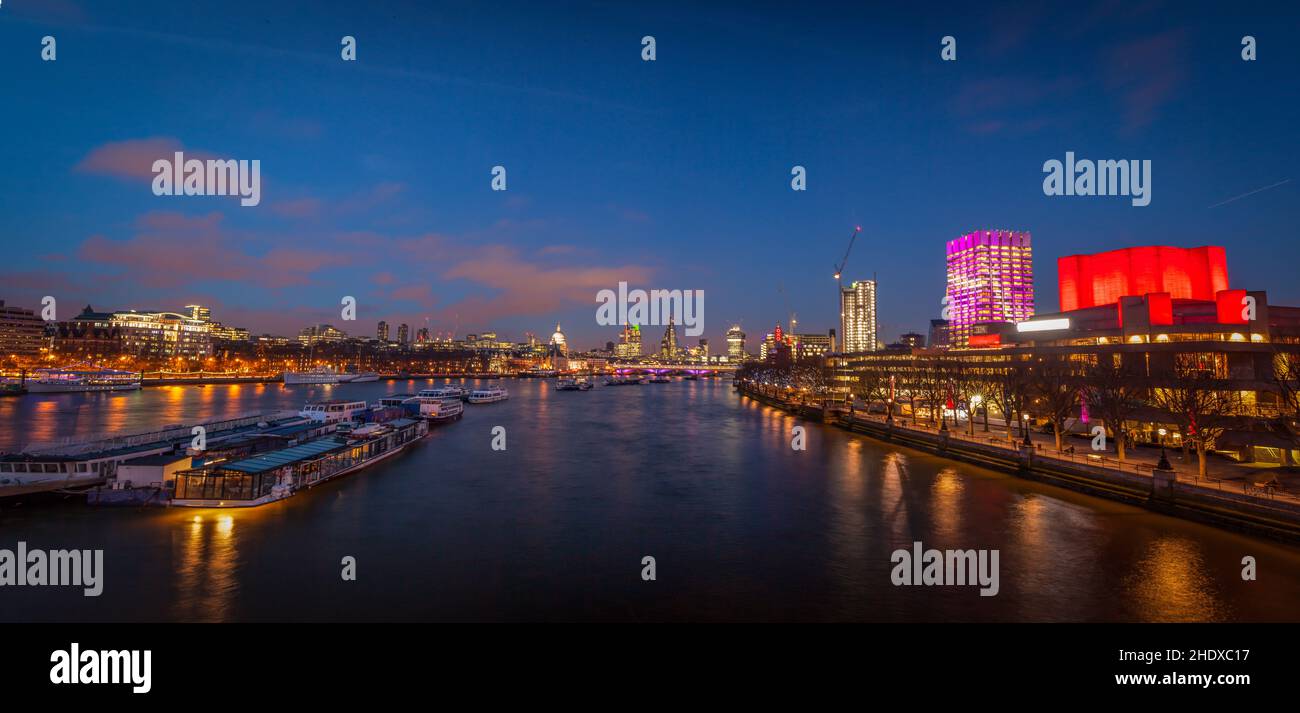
(839, 269)
(839, 280)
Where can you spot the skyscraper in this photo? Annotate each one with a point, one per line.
(382, 332)
(858, 316)
(990, 279)
(735, 343)
(668, 345)
(403, 334)
(629, 342)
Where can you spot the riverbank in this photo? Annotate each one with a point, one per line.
(1273, 516)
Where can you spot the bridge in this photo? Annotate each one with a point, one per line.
(667, 368)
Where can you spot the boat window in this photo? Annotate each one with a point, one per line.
(6, 468)
(81, 467)
(20, 467)
(51, 467)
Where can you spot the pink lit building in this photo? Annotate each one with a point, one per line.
(990, 280)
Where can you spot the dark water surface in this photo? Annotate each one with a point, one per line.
(555, 527)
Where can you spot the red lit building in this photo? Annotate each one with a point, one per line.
(1103, 278)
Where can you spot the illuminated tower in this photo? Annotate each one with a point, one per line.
(668, 346)
(990, 279)
(382, 331)
(735, 343)
(858, 316)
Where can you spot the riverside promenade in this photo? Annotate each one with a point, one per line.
(1226, 498)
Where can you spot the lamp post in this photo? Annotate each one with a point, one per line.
(1025, 427)
(1164, 459)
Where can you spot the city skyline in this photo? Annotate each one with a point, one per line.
(400, 213)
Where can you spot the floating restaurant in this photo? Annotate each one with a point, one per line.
(276, 475)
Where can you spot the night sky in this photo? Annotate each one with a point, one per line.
(666, 174)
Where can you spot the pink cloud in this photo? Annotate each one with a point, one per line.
(173, 250)
(526, 287)
(133, 159)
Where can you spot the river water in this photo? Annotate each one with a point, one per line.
(741, 526)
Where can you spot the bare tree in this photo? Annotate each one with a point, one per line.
(1113, 393)
(1198, 400)
(1285, 381)
(1008, 389)
(1055, 391)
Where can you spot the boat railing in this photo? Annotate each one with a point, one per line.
(75, 445)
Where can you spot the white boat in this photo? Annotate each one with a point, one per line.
(439, 409)
(491, 394)
(82, 379)
(334, 411)
(323, 375)
(446, 391)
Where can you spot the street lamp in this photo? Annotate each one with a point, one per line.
(1164, 458)
(1025, 426)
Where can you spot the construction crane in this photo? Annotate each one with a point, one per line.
(839, 278)
(839, 269)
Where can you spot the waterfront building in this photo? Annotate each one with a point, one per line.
(146, 335)
(990, 281)
(321, 334)
(858, 316)
(1102, 279)
(812, 345)
(381, 332)
(21, 332)
(221, 332)
(736, 343)
(559, 344)
(200, 313)
(1232, 344)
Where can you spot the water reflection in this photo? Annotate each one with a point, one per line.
(592, 481)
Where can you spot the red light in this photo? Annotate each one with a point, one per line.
(1231, 306)
(1160, 308)
(1102, 278)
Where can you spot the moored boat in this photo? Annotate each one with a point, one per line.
(79, 379)
(334, 410)
(491, 394)
(279, 474)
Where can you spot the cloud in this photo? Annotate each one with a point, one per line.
(527, 287)
(133, 159)
(172, 250)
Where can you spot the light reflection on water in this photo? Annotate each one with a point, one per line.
(742, 526)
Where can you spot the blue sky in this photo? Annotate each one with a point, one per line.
(666, 174)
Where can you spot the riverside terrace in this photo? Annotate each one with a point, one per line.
(1190, 374)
